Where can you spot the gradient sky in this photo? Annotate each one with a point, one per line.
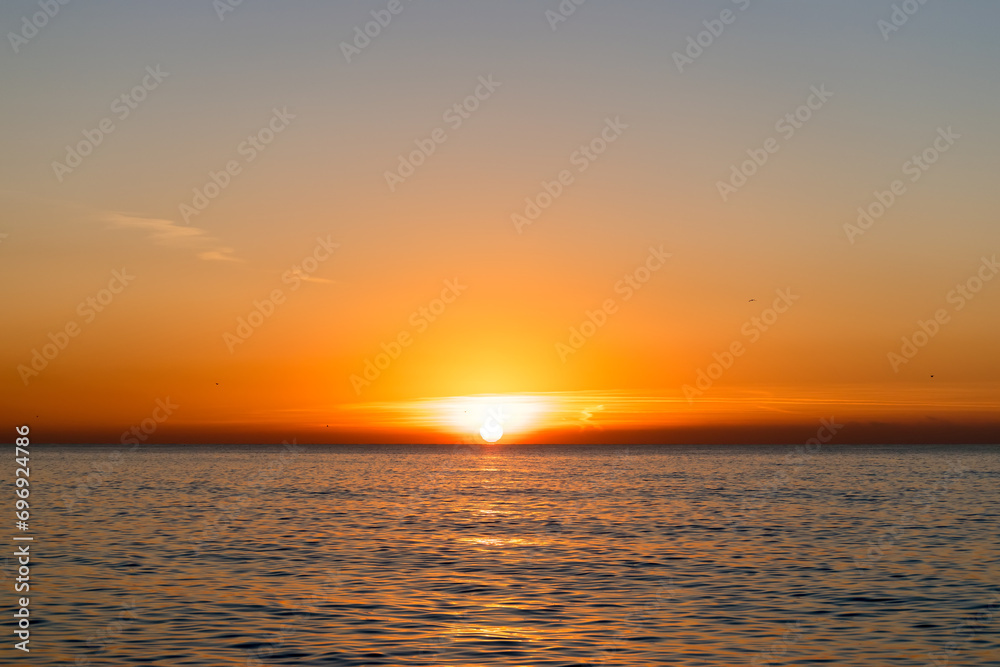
(655, 186)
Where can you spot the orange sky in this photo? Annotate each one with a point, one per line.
(279, 273)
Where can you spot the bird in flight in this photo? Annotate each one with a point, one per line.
(751, 300)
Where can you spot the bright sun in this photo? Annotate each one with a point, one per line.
(492, 429)
(491, 417)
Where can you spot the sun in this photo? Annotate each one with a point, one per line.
(491, 417)
(492, 428)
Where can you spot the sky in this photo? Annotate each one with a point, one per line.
(623, 221)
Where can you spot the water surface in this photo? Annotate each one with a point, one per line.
(515, 556)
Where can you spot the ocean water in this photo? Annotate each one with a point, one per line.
(514, 556)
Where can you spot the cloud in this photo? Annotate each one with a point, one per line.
(587, 415)
(305, 277)
(222, 255)
(168, 232)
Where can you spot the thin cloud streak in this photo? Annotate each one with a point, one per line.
(169, 233)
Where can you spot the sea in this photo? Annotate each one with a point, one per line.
(511, 555)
